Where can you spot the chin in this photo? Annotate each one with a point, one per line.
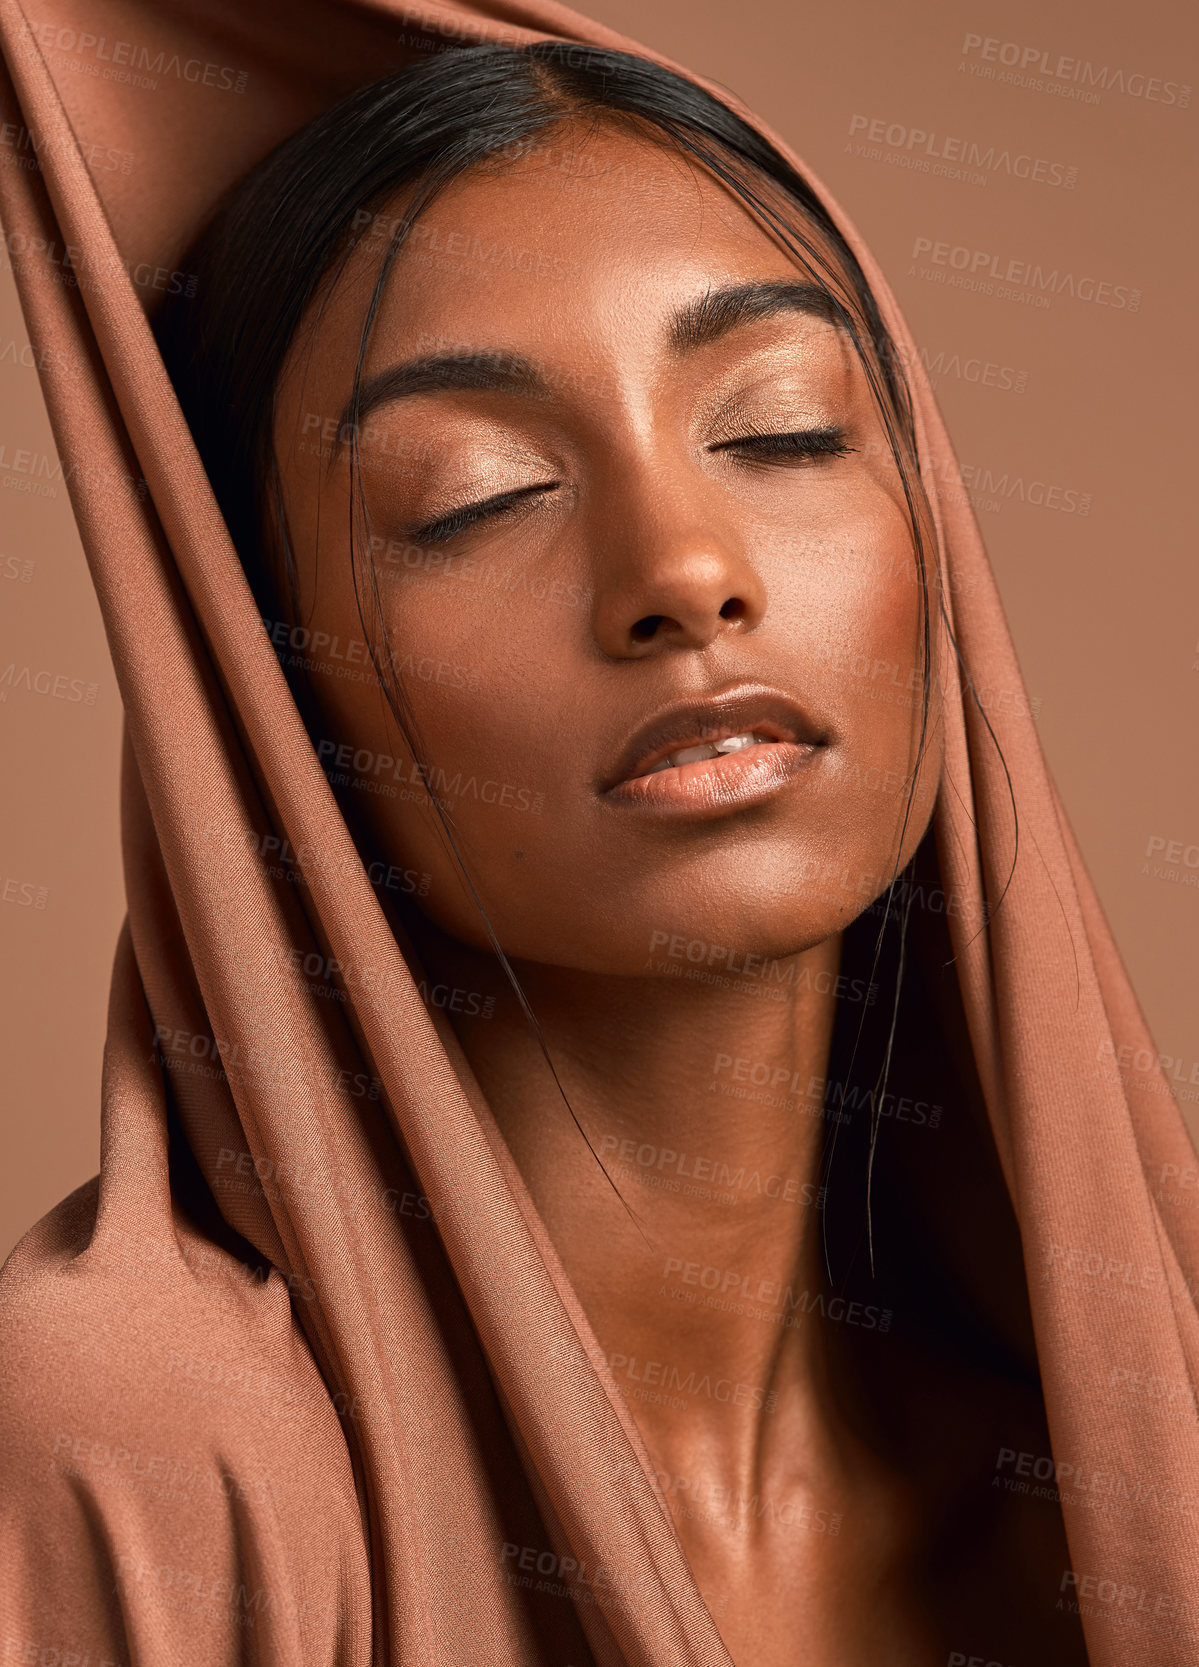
(757, 928)
(740, 941)
(774, 898)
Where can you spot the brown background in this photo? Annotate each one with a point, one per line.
(1091, 399)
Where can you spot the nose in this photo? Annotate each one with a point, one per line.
(667, 581)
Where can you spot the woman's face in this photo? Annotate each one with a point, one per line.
(629, 498)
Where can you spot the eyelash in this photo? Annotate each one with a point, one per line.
(487, 509)
(784, 447)
(806, 442)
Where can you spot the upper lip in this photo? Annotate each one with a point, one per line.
(711, 718)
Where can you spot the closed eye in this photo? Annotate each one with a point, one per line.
(828, 441)
(791, 446)
(486, 509)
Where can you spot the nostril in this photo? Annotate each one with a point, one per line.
(645, 629)
(734, 608)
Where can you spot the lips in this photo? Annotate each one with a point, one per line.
(703, 751)
(745, 719)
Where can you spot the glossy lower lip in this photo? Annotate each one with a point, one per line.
(715, 786)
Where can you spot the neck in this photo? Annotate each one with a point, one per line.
(693, 1242)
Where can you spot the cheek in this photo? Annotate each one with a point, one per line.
(874, 659)
(851, 607)
(478, 660)
(476, 669)
(850, 600)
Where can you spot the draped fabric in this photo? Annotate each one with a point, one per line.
(299, 1377)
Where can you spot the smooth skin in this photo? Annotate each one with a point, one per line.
(667, 555)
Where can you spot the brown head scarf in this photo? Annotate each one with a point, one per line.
(299, 1378)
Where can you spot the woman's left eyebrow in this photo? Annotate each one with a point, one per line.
(694, 324)
(716, 312)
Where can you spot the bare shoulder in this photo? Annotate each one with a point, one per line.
(164, 1430)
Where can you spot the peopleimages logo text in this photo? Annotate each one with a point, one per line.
(132, 56)
(944, 147)
(1038, 61)
(1025, 274)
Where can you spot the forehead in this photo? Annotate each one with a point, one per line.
(575, 231)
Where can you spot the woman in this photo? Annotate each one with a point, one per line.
(616, 524)
(627, 1270)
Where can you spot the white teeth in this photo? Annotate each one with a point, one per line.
(714, 749)
(692, 755)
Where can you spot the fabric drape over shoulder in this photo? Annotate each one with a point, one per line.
(298, 1378)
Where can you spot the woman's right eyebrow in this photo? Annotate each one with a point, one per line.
(694, 324)
(490, 370)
